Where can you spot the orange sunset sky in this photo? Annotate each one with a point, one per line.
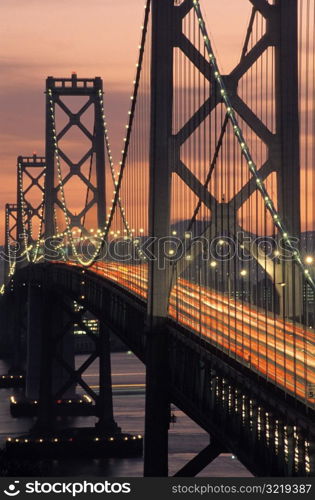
(93, 38)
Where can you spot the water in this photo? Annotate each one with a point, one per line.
(186, 439)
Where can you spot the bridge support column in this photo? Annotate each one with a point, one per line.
(104, 403)
(42, 371)
(47, 339)
(17, 329)
(35, 329)
(157, 407)
(62, 339)
(157, 398)
(39, 355)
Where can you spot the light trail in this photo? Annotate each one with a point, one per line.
(281, 351)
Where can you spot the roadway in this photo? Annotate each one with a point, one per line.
(281, 351)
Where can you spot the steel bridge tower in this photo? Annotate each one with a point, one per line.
(30, 177)
(92, 89)
(283, 159)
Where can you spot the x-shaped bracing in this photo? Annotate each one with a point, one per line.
(75, 168)
(25, 163)
(251, 119)
(229, 209)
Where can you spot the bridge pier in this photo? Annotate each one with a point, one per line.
(157, 407)
(13, 328)
(17, 329)
(104, 403)
(51, 375)
(39, 374)
(48, 339)
(13, 338)
(35, 341)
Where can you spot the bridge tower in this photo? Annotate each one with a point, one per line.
(30, 183)
(283, 159)
(56, 90)
(65, 93)
(157, 401)
(20, 219)
(284, 153)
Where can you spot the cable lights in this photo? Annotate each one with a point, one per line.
(68, 232)
(117, 179)
(28, 248)
(245, 150)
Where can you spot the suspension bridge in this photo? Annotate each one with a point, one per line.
(196, 248)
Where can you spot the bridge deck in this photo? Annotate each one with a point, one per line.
(281, 351)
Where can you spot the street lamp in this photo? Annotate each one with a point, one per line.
(309, 259)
